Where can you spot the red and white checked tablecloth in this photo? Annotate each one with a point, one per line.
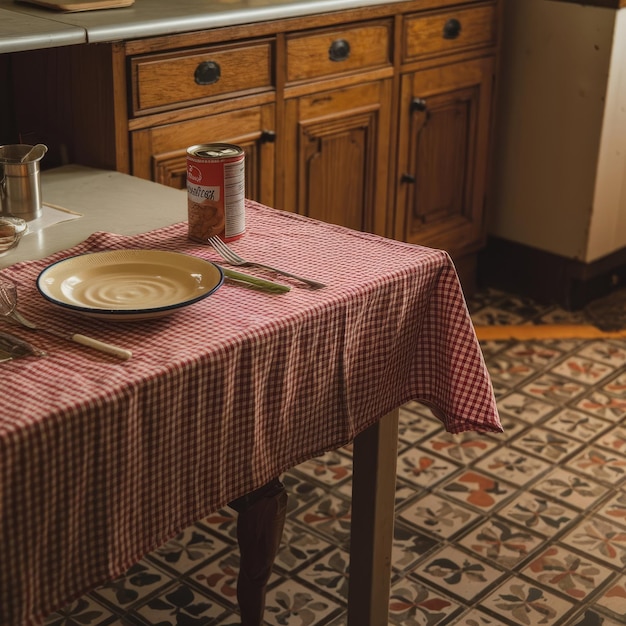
(102, 460)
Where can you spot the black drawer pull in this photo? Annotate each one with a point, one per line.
(207, 73)
(451, 29)
(339, 50)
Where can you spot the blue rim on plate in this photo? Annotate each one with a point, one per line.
(130, 284)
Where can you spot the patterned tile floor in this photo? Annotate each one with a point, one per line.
(523, 528)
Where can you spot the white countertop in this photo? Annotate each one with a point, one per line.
(146, 18)
(108, 201)
(19, 32)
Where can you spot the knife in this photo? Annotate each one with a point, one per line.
(254, 281)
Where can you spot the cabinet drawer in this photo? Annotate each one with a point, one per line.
(449, 31)
(330, 52)
(172, 80)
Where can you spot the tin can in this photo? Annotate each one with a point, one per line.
(216, 191)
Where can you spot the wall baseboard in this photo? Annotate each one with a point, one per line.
(546, 277)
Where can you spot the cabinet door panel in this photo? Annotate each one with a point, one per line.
(442, 153)
(336, 155)
(443, 148)
(160, 153)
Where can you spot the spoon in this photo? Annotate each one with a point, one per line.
(8, 308)
(35, 153)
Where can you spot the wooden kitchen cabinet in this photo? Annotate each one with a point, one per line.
(337, 147)
(159, 153)
(444, 131)
(336, 141)
(377, 118)
(219, 85)
(445, 116)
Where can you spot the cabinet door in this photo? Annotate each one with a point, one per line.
(336, 155)
(160, 153)
(443, 155)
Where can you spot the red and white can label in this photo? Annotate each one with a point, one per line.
(216, 191)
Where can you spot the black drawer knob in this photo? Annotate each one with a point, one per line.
(339, 50)
(418, 104)
(207, 73)
(268, 136)
(451, 29)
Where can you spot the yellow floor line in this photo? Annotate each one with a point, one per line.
(545, 331)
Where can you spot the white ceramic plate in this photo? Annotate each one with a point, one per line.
(124, 285)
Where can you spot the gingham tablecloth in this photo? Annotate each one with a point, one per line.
(103, 460)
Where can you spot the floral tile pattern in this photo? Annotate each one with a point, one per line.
(220, 578)
(537, 354)
(523, 406)
(547, 444)
(463, 448)
(614, 440)
(85, 610)
(563, 570)
(331, 572)
(608, 352)
(127, 591)
(615, 509)
(527, 604)
(330, 469)
(478, 490)
(554, 388)
(603, 404)
(617, 386)
(522, 528)
(509, 372)
(438, 516)
(413, 604)
(589, 617)
(577, 425)
(409, 546)
(574, 490)
(293, 604)
(583, 370)
(424, 469)
(459, 572)
(190, 548)
(515, 467)
(179, 604)
(299, 547)
(601, 464)
(501, 543)
(614, 599)
(601, 538)
(538, 513)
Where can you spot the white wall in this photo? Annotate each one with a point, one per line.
(553, 84)
(607, 231)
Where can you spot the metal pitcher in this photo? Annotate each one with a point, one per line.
(20, 184)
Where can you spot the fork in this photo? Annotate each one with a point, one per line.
(234, 259)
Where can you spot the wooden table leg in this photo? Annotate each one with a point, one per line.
(373, 514)
(259, 529)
